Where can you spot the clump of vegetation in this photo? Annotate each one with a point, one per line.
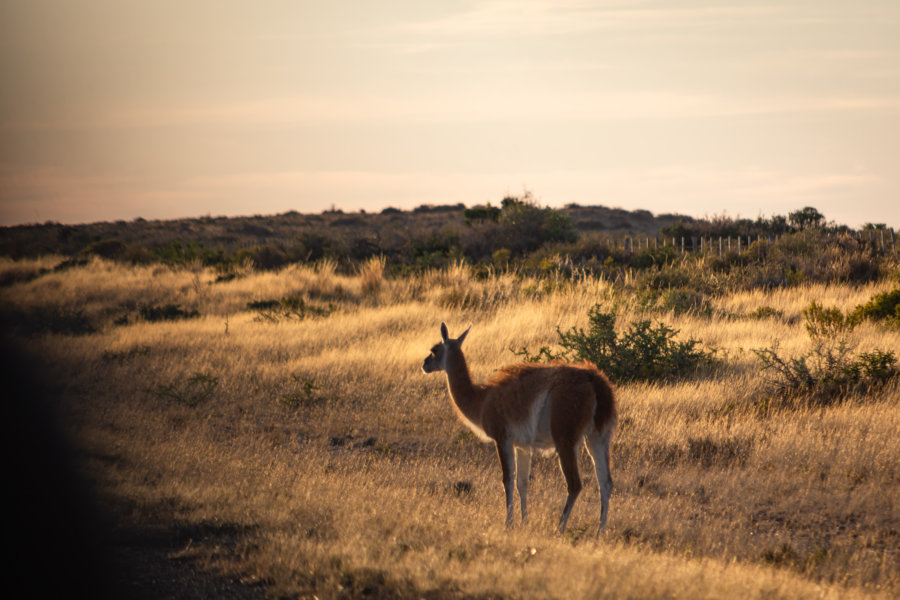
(166, 312)
(481, 212)
(110, 248)
(827, 372)
(303, 393)
(56, 319)
(289, 307)
(644, 352)
(830, 370)
(881, 307)
(677, 301)
(197, 389)
(766, 312)
(830, 322)
(372, 275)
(520, 226)
(826, 322)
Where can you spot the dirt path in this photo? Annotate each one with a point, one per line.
(145, 568)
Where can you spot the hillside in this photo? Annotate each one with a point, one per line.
(299, 237)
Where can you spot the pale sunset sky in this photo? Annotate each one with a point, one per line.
(117, 109)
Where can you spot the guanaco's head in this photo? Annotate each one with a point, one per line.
(437, 360)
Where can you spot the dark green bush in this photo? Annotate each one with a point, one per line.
(830, 322)
(685, 300)
(481, 213)
(642, 353)
(882, 307)
(289, 307)
(302, 393)
(198, 388)
(166, 312)
(110, 248)
(825, 322)
(55, 319)
(805, 218)
(828, 371)
(766, 312)
(267, 257)
(527, 226)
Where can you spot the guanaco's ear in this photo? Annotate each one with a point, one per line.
(464, 334)
(444, 335)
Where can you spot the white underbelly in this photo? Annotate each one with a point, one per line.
(534, 432)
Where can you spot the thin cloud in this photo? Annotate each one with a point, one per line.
(440, 106)
(546, 18)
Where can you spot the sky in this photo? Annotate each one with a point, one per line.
(118, 109)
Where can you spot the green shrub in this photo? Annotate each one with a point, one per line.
(56, 319)
(267, 257)
(642, 353)
(830, 322)
(166, 312)
(198, 388)
(826, 372)
(289, 307)
(302, 394)
(766, 312)
(110, 248)
(881, 307)
(481, 213)
(825, 322)
(685, 300)
(527, 226)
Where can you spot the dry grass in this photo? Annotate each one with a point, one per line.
(363, 482)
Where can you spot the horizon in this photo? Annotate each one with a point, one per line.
(116, 111)
(338, 210)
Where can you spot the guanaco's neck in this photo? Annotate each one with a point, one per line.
(467, 396)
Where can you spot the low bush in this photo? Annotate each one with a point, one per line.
(765, 312)
(303, 393)
(166, 312)
(881, 307)
(825, 322)
(197, 389)
(831, 322)
(110, 248)
(289, 307)
(642, 353)
(827, 372)
(57, 320)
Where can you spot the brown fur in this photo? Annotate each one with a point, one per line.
(577, 403)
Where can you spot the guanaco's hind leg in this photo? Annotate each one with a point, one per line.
(523, 469)
(507, 455)
(598, 446)
(570, 417)
(568, 462)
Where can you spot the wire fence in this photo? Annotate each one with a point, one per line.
(878, 240)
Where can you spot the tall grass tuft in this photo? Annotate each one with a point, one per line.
(372, 276)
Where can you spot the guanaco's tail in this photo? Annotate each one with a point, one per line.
(605, 412)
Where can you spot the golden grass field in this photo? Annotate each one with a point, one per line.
(324, 463)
